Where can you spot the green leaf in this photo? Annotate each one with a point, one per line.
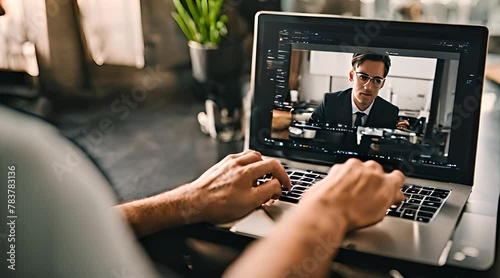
(198, 5)
(224, 18)
(193, 10)
(201, 20)
(186, 18)
(199, 38)
(214, 34)
(183, 26)
(217, 37)
(215, 9)
(203, 28)
(204, 8)
(222, 28)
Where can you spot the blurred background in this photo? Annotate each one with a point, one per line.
(91, 48)
(115, 77)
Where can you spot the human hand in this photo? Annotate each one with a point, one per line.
(227, 191)
(403, 124)
(356, 193)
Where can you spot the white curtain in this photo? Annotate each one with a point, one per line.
(19, 31)
(113, 31)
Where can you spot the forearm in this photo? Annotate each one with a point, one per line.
(303, 244)
(165, 210)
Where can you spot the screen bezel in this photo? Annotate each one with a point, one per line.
(261, 106)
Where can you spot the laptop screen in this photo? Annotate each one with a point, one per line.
(404, 94)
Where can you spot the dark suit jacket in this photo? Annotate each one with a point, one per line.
(336, 108)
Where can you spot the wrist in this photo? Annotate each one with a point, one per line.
(327, 216)
(188, 205)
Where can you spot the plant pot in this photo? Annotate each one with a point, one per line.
(219, 68)
(215, 62)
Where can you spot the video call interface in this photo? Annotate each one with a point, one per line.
(420, 83)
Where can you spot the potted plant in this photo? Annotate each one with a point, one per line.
(216, 59)
(213, 57)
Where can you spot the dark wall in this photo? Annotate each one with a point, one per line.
(62, 69)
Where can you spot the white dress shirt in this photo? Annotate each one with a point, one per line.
(355, 109)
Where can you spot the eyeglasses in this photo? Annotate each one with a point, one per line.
(365, 78)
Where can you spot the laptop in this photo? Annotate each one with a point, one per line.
(435, 80)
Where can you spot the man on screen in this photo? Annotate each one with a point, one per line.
(360, 105)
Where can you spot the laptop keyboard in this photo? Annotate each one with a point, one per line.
(301, 180)
(422, 202)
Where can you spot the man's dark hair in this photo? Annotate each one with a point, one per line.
(359, 58)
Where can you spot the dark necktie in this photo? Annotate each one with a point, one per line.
(359, 116)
